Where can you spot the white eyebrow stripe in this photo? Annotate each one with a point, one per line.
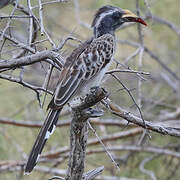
(103, 15)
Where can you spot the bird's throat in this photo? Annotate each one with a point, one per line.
(101, 30)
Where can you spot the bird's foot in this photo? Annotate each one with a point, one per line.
(94, 113)
(94, 88)
(98, 91)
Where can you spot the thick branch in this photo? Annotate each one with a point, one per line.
(27, 60)
(159, 128)
(79, 133)
(62, 123)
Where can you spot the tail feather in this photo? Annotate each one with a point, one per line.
(45, 132)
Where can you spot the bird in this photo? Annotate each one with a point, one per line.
(83, 69)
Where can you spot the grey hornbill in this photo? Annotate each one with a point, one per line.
(83, 69)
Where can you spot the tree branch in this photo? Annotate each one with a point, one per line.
(79, 133)
(159, 128)
(34, 58)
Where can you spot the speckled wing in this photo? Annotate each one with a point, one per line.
(79, 70)
(84, 63)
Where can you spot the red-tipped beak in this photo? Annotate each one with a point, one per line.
(131, 17)
(136, 19)
(139, 20)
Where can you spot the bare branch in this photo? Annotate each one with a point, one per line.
(23, 83)
(152, 55)
(159, 128)
(159, 20)
(41, 17)
(93, 173)
(139, 149)
(79, 133)
(127, 71)
(77, 10)
(27, 60)
(115, 136)
(62, 123)
(51, 2)
(101, 142)
(18, 43)
(145, 171)
(15, 17)
(9, 21)
(128, 91)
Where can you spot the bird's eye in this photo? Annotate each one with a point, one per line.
(116, 15)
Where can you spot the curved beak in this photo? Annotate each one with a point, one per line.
(131, 17)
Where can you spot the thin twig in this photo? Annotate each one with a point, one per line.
(15, 17)
(50, 2)
(127, 71)
(130, 96)
(30, 23)
(9, 21)
(77, 15)
(41, 17)
(108, 153)
(145, 171)
(23, 83)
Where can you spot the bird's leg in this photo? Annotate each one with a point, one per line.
(95, 89)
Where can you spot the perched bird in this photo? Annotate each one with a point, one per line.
(83, 69)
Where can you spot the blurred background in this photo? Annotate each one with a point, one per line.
(148, 61)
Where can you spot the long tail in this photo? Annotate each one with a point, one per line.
(46, 130)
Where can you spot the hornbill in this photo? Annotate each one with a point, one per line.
(83, 69)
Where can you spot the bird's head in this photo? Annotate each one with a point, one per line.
(109, 18)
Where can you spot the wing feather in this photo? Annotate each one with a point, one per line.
(66, 91)
(83, 65)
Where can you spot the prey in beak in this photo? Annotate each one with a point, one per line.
(128, 16)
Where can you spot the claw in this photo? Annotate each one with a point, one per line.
(93, 113)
